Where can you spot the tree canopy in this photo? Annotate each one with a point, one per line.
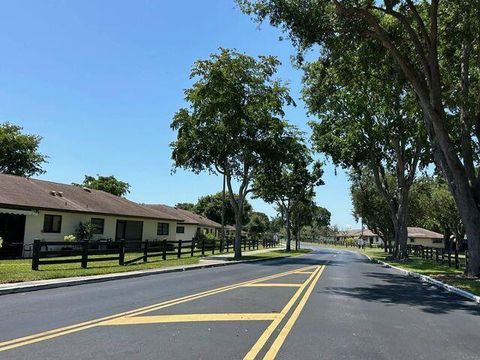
(108, 184)
(290, 182)
(19, 154)
(234, 122)
(434, 44)
(210, 206)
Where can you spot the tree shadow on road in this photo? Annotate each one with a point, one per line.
(398, 289)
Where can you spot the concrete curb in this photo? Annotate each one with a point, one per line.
(16, 288)
(423, 278)
(429, 280)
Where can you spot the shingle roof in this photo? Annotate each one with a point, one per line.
(19, 192)
(187, 216)
(418, 232)
(414, 232)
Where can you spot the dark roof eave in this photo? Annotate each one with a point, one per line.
(28, 207)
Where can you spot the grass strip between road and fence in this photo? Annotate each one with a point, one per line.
(19, 270)
(428, 267)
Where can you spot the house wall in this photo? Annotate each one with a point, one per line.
(190, 232)
(436, 243)
(70, 221)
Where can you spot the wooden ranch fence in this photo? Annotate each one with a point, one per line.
(85, 252)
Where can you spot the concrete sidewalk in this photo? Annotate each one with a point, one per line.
(227, 257)
(206, 262)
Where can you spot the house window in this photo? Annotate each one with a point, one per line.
(162, 229)
(98, 225)
(180, 229)
(437, 241)
(52, 223)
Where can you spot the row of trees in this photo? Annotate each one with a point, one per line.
(396, 86)
(235, 126)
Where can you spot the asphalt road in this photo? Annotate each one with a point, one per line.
(330, 304)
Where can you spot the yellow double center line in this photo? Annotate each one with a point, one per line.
(278, 342)
(50, 334)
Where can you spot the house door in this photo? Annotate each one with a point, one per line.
(129, 230)
(12, 231)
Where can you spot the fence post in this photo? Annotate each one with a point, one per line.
(203, 247)
(443, 256)
(449, 257)
(436, 255)
(145, 251)
(164, 250)
(213, 246)
(179, 250)
(121, 252)
(36, 254)
(84, 254)
(466, 260)
(457, 264)
(192, 247)
(221, 244)
(228, 246)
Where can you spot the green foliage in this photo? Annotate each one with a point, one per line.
(210, 206)
(370, 205)
(185, 206)
(259, 223)
(106, 183)
(19, 152)
(84, 231)
(234, 123)
(234, 115)
(433, 207)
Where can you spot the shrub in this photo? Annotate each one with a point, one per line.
(84, 231)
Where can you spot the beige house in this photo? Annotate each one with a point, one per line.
(416, 236)
(35, 209)
(191, 224)
(424, 237)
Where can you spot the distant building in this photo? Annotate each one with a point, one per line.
(192, 223)
(416, 236)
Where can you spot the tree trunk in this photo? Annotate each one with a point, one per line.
(238, 235)
(289, 234)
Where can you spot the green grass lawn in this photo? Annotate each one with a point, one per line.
(431, 268)
(21, 269)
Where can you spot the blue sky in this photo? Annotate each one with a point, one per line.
(101, 80)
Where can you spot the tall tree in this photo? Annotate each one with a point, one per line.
(19, 152)
(369, 205)
(434, 208)
(258, 224)
(210, 206)
(435, 45)
(320, 220)
(108, 184)
(290, 181)
(368, 118)
(234, 122)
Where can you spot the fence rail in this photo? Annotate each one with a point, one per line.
(82, 252)
(440, 255)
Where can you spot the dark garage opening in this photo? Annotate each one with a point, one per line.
(12, 231)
